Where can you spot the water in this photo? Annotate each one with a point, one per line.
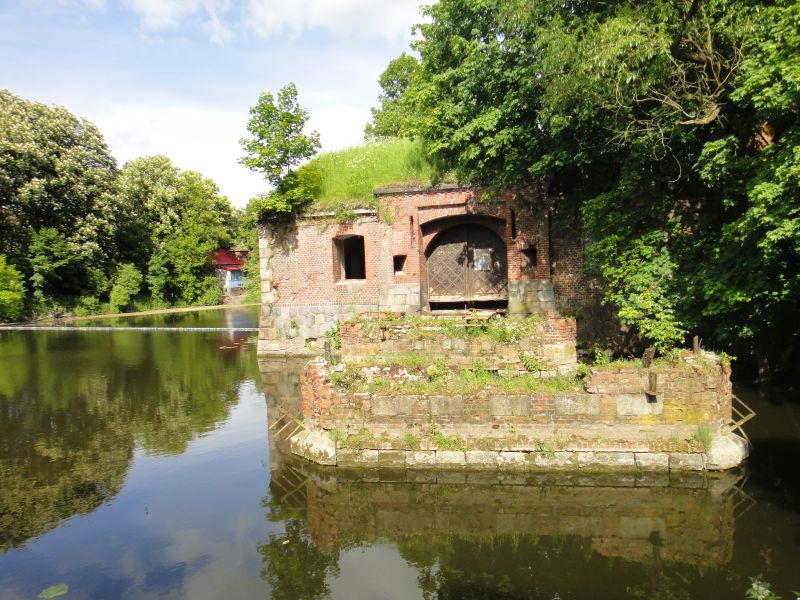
(138, 464)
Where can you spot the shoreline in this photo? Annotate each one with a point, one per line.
(141, 313)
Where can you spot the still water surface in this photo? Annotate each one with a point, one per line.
(138, 464)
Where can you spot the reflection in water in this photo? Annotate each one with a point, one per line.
(75, 405)
(480, 535)
(491, 535)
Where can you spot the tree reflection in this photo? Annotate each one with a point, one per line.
(74, 405)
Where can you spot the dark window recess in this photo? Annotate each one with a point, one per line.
(399, 262)
(513, 225)
(529, 257)
(351, 257)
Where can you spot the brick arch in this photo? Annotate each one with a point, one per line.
(466, 260)
(431, 229)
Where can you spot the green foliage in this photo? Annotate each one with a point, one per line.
(334, 337)
(450, 442)
(703, 436)
(11, 291)
(70, 219)
(395, 116)
(279, 142)
(531, 363)
(638, 282)
(670, 129)
(438, 370)
(89, 305)
(348, 176)
(56, 269)
(56, 181)
(410, 440)
(583, 370)
(127, 284)
(360, 440)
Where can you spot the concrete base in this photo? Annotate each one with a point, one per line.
(727, 452)
(318, 447)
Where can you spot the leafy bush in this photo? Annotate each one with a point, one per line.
(127, 284)
(12, 292)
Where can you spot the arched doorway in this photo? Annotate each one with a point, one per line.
(467, 264)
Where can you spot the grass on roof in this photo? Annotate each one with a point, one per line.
(350, 175)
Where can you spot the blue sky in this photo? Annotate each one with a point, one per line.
(177, 77)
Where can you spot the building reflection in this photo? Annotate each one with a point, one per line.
(492, 534)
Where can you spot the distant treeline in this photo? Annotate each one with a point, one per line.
(79, 234)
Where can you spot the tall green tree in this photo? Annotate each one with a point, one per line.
(279, 143)
(668, 127)
(395, 116)
(177, 219)
(56, 174)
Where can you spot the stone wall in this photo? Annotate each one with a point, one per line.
(672, 417)
(551, 341)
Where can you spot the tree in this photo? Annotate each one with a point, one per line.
(11, 291)
(179, 218)
(278, 145)
(56, 173)
(279, 142)
(669, 129)
(395, 117)
(127, 284)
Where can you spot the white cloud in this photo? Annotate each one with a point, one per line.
(388, 20)
(171, 14)
(339, 125)
(195, 138)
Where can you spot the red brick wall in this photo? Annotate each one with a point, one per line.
(304, 269)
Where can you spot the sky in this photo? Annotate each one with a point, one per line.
(178, 77)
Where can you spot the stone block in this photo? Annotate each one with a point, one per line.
(447, 405)
(391, 459)
(346, 457)
(420, 458)
(685, 461)
(481, 458)
(557, 460)
(577, 404)
(614, 460)
(726, 452)
(512, 406)
(629, 405)
(652, 461)
(315, 446)
(391, 406)
(447, 458)
(512, 460)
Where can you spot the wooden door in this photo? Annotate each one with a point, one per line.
(467, 263)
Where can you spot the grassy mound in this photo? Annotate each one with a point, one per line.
(350, 175)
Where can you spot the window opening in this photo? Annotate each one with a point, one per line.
(513, 225)
(399, 262)
(529, 257)
(351, 257)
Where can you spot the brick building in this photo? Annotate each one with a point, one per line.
(420, 249)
